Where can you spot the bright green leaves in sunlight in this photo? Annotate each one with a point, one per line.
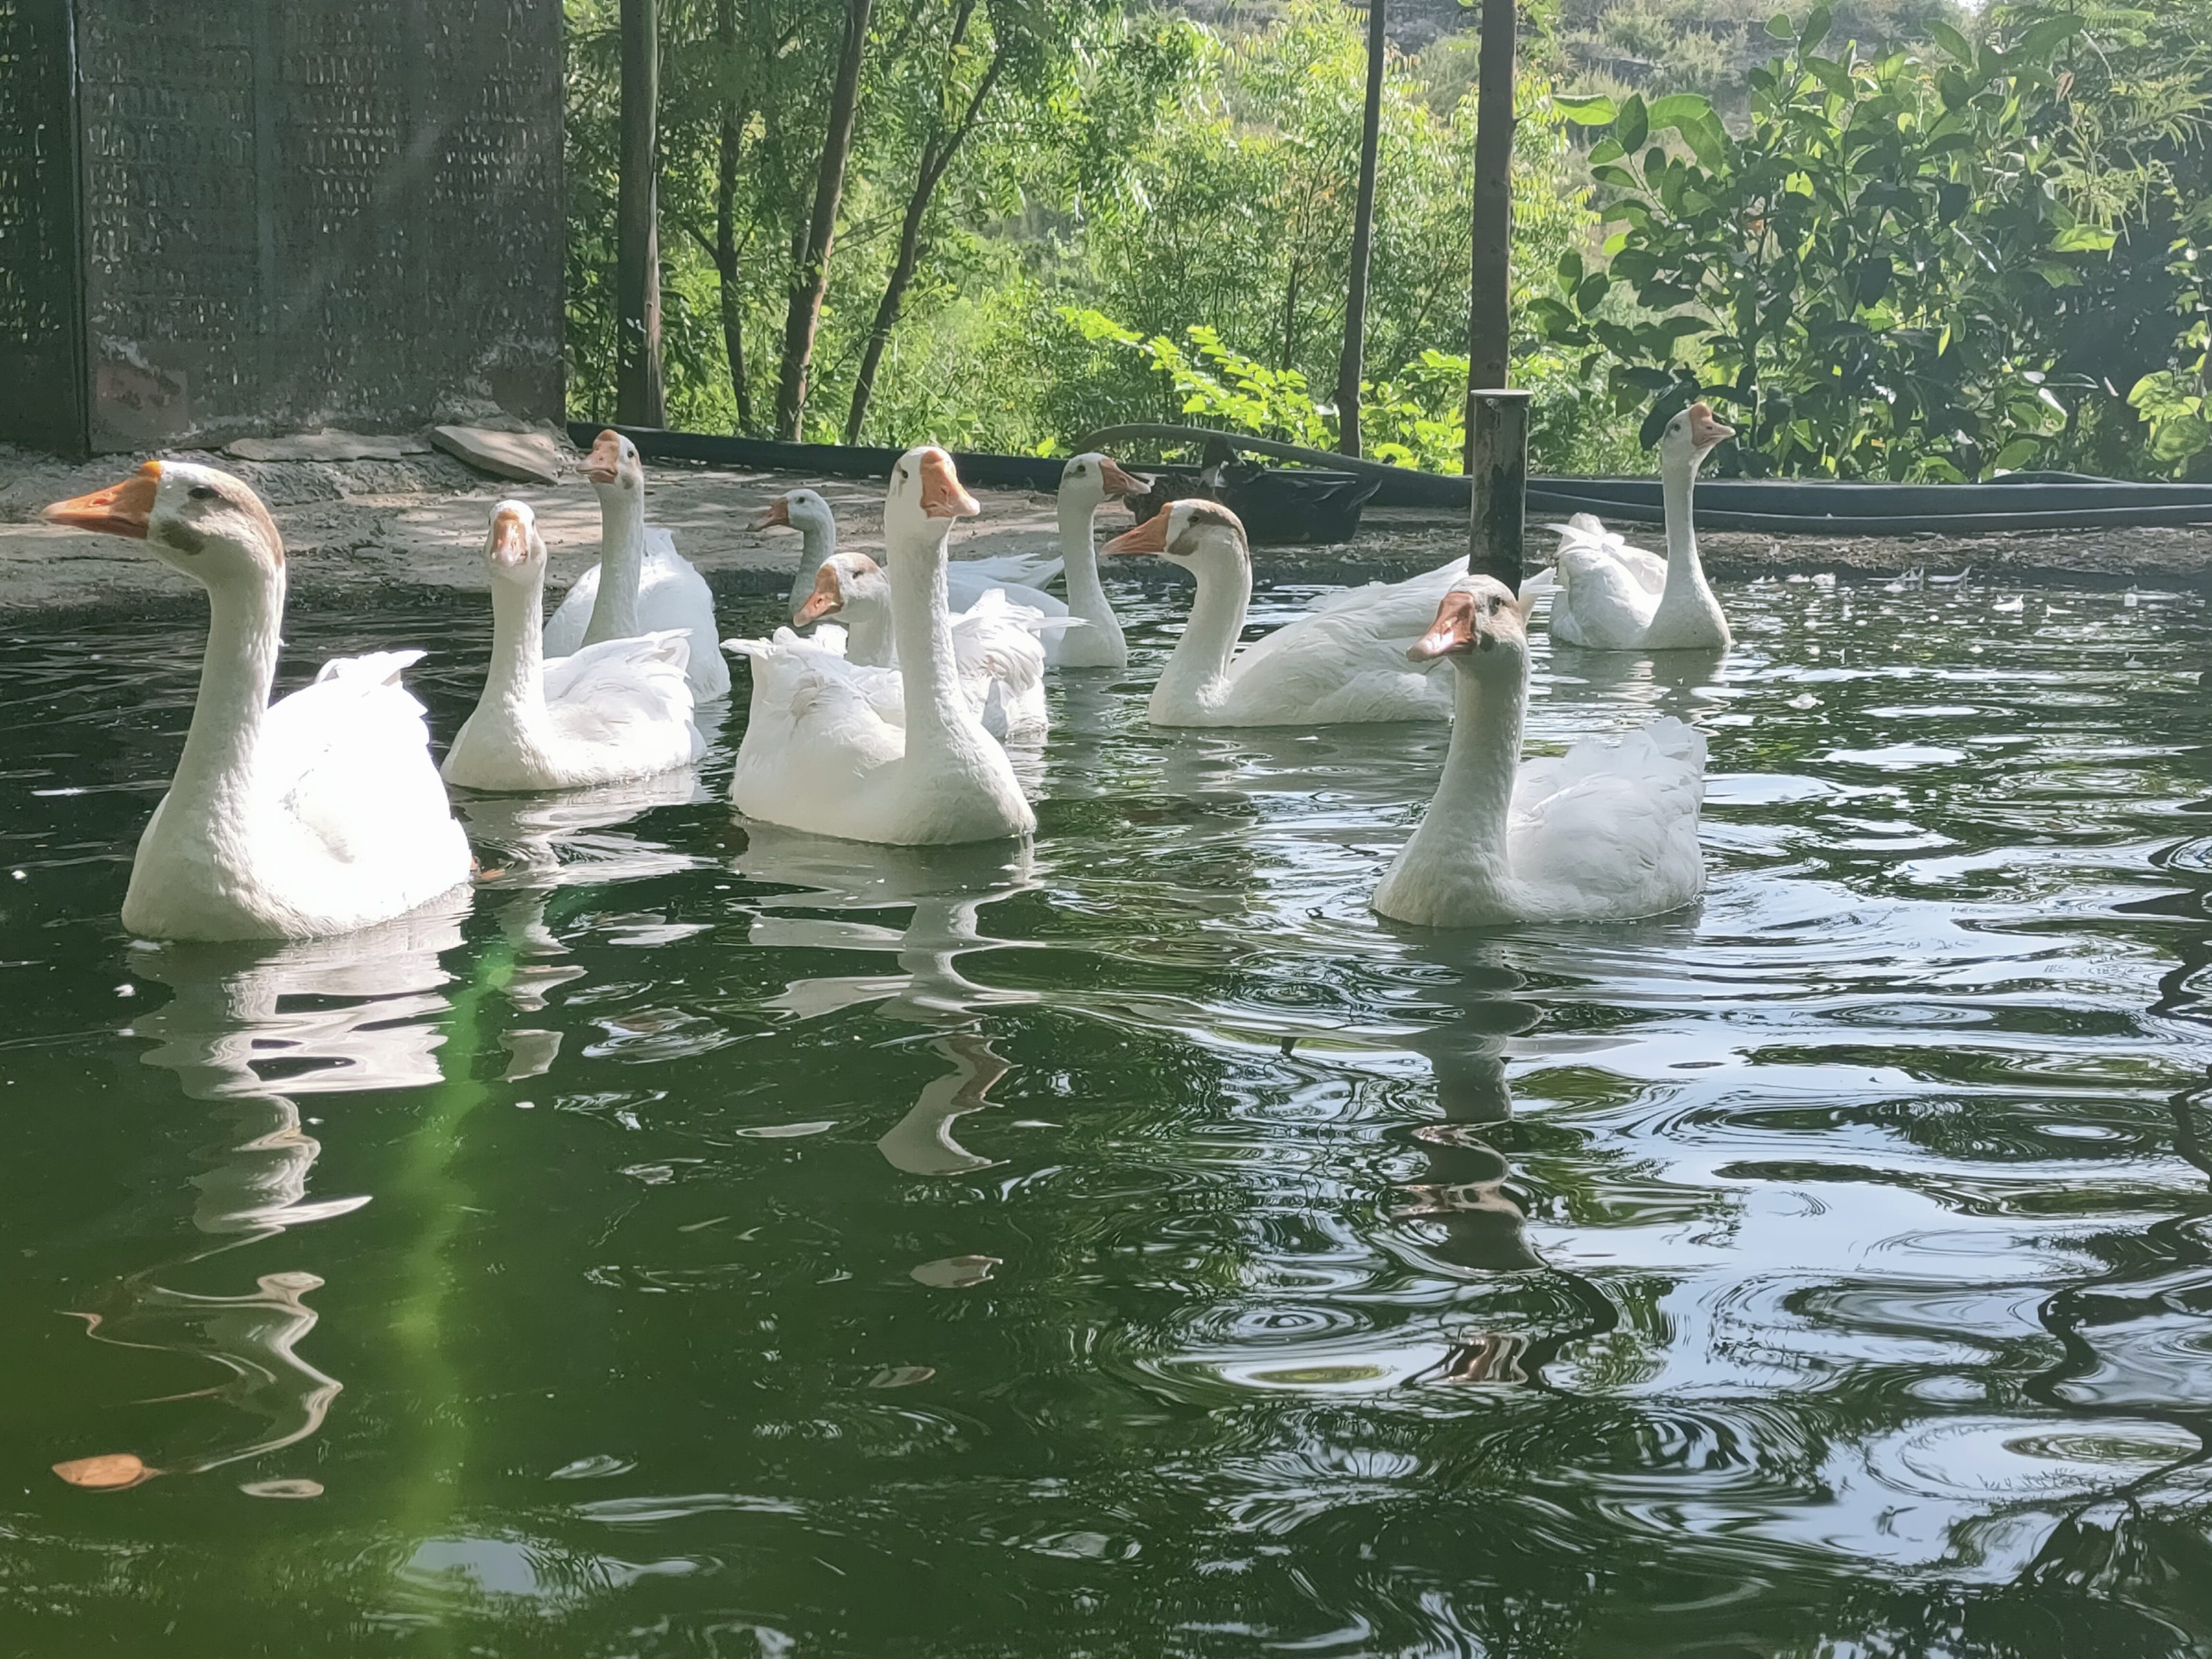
(1885, 269)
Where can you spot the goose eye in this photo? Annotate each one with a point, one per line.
(201, 492)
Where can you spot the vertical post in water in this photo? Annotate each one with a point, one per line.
(1498, 469)
(639, 399)
(1351, 367)
(1489, 339)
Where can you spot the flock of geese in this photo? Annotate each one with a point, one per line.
(891, 720)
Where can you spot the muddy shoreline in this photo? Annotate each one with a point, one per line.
(360, 533)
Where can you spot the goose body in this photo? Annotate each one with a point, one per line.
(966, 580)
(642, 584)
(319, 814)
(1606, 832)
(608, 711)
(1616, 597)
(997, 645)
(819, 753)
(1342, 663)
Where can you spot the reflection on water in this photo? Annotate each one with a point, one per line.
(728, 1240)
(254, 1031)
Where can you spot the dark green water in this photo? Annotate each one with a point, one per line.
(728, 1245)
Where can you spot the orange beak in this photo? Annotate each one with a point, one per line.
(1116, 482)
(776, 512)
(604, 465)
(1150, 536)
(510, 538)
(1705, 430)
(121, 509)
(1453, 630)
(942, 495)
(826, 598)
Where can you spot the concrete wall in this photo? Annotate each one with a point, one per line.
(325, 211)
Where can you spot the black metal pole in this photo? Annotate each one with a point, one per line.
(639, 399)
(1351, 367)
(1488, 327)
(1497, 465)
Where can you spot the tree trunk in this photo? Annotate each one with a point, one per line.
(1351, 367)
(639, 398)
(935, 160)
(811, 281)
(726, 229)
(1487, 325)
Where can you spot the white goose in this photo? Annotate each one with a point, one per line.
(818, 756)
(1087, 482)
(642, 584)
(966, 580)
(1613, 597)
(618, 710)
(1606, 832)
(1343, 663)
(317, 815)
(998, 646)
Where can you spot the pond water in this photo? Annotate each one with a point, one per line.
(717, 1242)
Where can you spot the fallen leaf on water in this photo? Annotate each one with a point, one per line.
(112, 1472)
(282, 1488)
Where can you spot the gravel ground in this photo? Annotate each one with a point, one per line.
(357, 530)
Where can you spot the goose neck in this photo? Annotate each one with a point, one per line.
(515, 682)
(215, 773)
(1079, 554)
(1675, 488)
(1466, 822)
(921, 628)
(622, 564)
(1199, 664)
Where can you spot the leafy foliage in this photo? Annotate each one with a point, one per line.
(1877, 272)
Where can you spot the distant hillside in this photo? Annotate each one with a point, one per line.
(1652, 46)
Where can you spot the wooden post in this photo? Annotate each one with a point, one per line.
(1351, 367)
(1488, 327)
(1497, 465)
(639, 400)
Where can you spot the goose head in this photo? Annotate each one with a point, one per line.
(1481, 627)
(614, 465)
(513, 550)
(845, 581)
(926, 494)
(1200, 536)
(204, 523)
(1685, 441)
(797, 509)
(1093, 480)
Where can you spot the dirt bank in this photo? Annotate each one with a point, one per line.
(362, 529)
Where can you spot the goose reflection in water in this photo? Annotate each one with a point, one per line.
(255, 1031)
(947, 889)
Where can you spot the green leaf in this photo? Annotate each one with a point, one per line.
(1677, 108)
(1591, 292)
(1708, 141)
(1781, 27)
(1571, 268)
(2045, 35)
(1593, 110)
(1815, 29)
(2083, 239)
(2177, 441)
(1606, 149)
(1633, 124)
(1951, 41)
(2017, 454)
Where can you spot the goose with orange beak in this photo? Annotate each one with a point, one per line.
(316, 815)
(966, 580)
(642, 584)
(606, 713)
(1087, 482)
(999, 646)
(819, 754)
(1606, 832)
(1342, 663)
(1615, 597)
